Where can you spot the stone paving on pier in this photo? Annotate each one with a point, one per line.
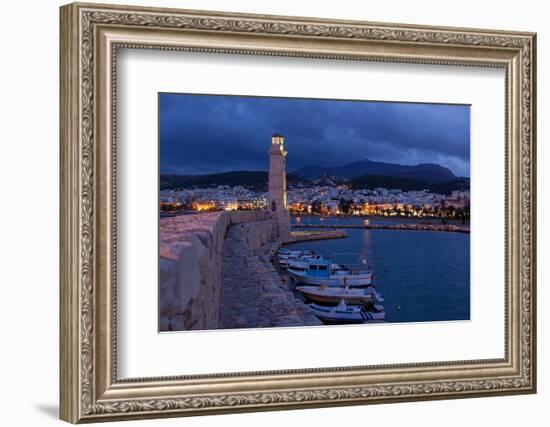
(252, 293)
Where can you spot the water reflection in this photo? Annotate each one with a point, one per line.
(424, 276)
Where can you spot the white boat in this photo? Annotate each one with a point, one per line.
(284, 260)
(332, 295)
(301, 263)
(283, 251)
(343, 313)
(286, 254)
(321, 272)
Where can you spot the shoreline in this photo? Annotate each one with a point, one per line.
(449, 228)
(400, 219)
(414, 220)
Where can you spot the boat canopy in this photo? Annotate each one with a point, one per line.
(319, 268)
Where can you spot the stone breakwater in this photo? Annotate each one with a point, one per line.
(410, 227)
(307, 236)
(215, 272)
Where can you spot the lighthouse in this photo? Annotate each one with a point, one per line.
(277, 184)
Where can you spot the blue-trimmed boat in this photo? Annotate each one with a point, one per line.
(343, 313)
(324, 272)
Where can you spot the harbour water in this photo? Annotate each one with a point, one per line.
(423, 275)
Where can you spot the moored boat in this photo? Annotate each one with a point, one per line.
(285, 260)
(302, 263)
(321, 272)
(283, 251)
(343, 313)
(294, 254)
(333, 295)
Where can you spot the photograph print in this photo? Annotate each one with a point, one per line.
(286, 212)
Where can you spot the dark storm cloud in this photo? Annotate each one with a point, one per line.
(207, 133)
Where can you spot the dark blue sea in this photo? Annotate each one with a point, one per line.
(423, 275)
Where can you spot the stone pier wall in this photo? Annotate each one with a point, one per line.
(191, 253)
(190, 270)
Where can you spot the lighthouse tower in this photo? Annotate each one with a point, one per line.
(277, 184)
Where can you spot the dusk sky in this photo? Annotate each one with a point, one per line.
(202, 134)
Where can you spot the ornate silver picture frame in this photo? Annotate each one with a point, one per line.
(91, 36)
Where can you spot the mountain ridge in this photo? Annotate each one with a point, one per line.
(362, 174)
(372, 182)
(430, 172)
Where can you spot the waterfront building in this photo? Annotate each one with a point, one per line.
(205, 205)
(252, 203)
(228, 204)
(332, 207)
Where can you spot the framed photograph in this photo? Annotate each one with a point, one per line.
(267, 212)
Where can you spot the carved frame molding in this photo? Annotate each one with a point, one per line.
(90, 36)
